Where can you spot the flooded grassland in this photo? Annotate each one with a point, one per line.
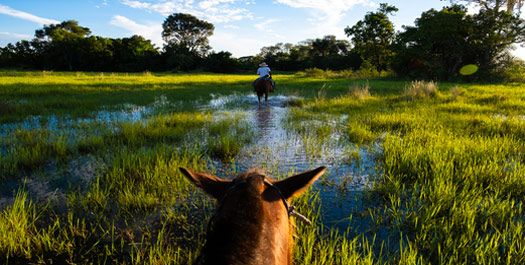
(418, 173)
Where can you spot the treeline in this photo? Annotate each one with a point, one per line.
(68, 46)
(71, 47)
(436, 47)
(439, 44)
(322, 53)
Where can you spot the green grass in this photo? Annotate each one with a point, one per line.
(23, 94)
(452, 184)
(449, 187)
(227, 136)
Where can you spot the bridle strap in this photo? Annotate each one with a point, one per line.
(270, 185)
(289, 209)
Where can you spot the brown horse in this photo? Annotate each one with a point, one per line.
(251, 224)
(263, 86)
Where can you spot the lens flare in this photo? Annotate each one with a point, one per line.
(468, 69)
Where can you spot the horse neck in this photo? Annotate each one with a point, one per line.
(248, 236)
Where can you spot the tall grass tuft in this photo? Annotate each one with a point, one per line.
(359, 91)
(227, 136)
(421, 90)
(31, 149)
(17, 227)
(455, 92)
(359, 133)
(21, 239)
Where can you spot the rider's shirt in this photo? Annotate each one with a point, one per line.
(263, 71)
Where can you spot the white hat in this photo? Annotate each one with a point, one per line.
(263, 64)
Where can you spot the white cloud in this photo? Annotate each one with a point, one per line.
(264, 26)
(231, 27)
(210, 3)
(325, 5)
(326, 14)
(165, 7)
(137, 4)
(519, 52)
(215, 11)
(26, 16)
(152, 32)
(15, 35)
(238, 46)
(473, 8)
(104, 3)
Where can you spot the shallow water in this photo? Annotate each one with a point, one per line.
(105, 117)
(277, 148)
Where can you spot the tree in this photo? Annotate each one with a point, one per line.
(498, 26)
(221, 62)
(326, 53)
(64, 41)
(280, 56)
(496, 32)
(249, 63)
(372, 37)
(437, 46)
(443, 41)
(510, 6)
(134, 54)
(21, 54)
(184, 32)
(68, 46)
(67, 30)
(328, 45)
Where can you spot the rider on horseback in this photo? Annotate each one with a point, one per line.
(264, 72)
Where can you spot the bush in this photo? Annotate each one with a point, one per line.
(515, 71)
(348, 73)
(314, 72)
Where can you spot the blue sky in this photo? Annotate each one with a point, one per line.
(242, 27)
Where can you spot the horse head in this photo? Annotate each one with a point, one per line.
(251, 224)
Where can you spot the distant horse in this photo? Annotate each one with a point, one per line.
(251, 224)
(263, 86)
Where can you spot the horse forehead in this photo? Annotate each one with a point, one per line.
(255, 179)
(252, 174)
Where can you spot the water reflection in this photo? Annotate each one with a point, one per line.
(280, 150)
(264, 119)
(105, 118)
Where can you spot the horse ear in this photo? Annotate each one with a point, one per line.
(294, 185)
(212, 185)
